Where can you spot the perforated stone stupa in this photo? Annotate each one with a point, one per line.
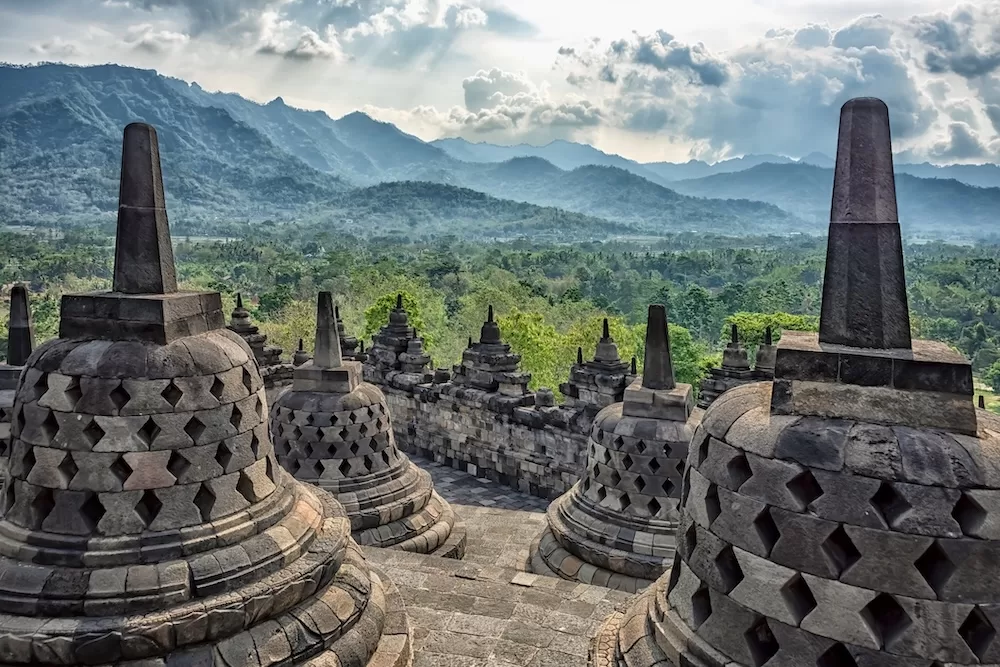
(146, 520)
(615, 527)
(333, 430)
(20, 343)
(844, 514)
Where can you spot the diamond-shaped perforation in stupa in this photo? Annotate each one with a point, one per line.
(143, 524)
(843, 513)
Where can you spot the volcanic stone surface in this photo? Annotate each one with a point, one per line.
(333, 430)
(20, 343)
(146, 519)
(615, 527)
(844, 514)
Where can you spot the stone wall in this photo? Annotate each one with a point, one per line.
(540, 450)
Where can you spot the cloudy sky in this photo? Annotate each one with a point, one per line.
(648, 80)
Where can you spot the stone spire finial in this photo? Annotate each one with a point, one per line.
(470, 342)
(635, 366)
(579, 355)
(607, 350)
(239, 322)
(490, 334)
(144, 258)
(734, 334)
(300, 356)
(658, 371)
(327, 340)
(768, 340)
(20, 332)
(864, 288)
(398, 316)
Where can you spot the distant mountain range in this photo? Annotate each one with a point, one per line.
(931, 206)
(227, 158)
(570, 155)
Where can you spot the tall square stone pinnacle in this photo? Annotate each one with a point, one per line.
(20, 339)
(864, 290)
(144, 257)
(657, 394)
(327, 372)
(863, 364)
(327, 341)
(144, 304)
(658, 369)
(20, 333)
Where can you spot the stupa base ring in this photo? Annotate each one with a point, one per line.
(549, 557)
(428, 531)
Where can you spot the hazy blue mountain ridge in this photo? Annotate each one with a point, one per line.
(228, 157)
(925, 205)
(569, 155)
(60, 147)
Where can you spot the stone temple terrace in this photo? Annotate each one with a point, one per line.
(177, 493)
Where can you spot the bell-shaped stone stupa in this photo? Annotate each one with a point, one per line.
(616, 526)
(146, 520)
(301, 356)
(767, 352)
(845, 514)
(333, 430)
(348, 344)
(272, 369)
(491, 368)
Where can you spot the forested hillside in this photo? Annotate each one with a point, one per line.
(550, 298)
(229, 160)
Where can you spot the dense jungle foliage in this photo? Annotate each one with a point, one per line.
(550, 299)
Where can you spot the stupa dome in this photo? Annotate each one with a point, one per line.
(146, 517)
